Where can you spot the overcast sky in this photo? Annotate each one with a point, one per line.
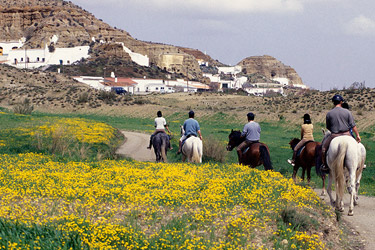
(330, 43)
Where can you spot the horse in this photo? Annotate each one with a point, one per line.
(256, 155)
(160, 143)
(192, 148)
(345, 158)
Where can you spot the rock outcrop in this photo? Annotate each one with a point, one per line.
(39, 20)
(270, 67)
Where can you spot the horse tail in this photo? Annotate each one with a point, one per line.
(265, 156)
(338, 167)
(163, 149)
(319, 161)
(195, 152)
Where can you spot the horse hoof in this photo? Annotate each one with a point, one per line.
(341, 209)
(355, 203)
(323, 193)
(350, 213)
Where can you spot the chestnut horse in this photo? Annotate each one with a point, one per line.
(256, 155)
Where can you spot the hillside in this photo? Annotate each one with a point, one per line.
(52, 92)
(269, 67)
(39, 20)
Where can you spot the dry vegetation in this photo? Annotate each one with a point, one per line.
(52, 92)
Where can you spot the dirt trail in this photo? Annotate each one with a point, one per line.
(135, 147)
(363, 221)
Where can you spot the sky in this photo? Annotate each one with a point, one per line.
(330, 43)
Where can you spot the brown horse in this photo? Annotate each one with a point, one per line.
(306, 159)
(256, 155)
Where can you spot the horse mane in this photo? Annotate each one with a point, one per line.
(294, 142)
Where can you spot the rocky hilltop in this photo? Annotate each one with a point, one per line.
(39, 20)
(270, 67)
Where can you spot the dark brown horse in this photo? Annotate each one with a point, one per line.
(306, 159)
(256, 155)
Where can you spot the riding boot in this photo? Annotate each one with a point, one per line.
(293, 161)
(179, 147)
(239, 153)
(325, 168)
(149, 146)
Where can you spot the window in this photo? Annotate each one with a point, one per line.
(21, 59)
(37, 59)
(162, 88)
(156, 88)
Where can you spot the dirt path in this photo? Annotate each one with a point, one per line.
(363, 221)
(135, 147)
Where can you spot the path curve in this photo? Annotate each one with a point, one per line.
(363, 220)
(135, 147)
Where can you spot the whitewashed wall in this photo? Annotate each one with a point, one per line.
(65, 55)
(7, 46)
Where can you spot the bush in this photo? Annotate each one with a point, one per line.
(24, 108)
(214, 149)
(297, 220)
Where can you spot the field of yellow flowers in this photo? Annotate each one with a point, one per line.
(47, 203)
(133, 205)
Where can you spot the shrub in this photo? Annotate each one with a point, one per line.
(24, 108)
(214, 149)
(83, 98)
(297, 220)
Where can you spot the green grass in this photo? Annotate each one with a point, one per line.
(275, 134)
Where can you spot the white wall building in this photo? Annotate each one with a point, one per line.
(142, 60)
(34, 58)
(6, 47)
(92, 81)
(230, 70)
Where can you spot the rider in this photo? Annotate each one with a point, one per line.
(339, 121)
(251, 131)
(160, 126)
(191, 127)
(306, 135)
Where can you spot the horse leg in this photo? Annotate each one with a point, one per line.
(303, 173)
(295, 169)
(357, 184)
(323, 186)
(329, 187)
(308, 174)
(353, 191)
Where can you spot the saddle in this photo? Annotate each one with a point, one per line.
(187, 137)
(247, 148)
(301, 148)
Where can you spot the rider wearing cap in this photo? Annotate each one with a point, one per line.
(339, 121)
(251, 131)
(191, 128)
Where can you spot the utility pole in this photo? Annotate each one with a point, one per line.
(187, 79)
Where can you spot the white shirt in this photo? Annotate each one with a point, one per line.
(160, 123)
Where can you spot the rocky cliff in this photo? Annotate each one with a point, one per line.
(270, 67)
(39, 20)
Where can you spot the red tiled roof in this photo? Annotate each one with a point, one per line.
(121, 82)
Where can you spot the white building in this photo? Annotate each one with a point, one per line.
(34, 58)
(142, 60)
(230, 70)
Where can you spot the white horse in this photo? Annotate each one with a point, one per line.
(192, 149)
(345, 159)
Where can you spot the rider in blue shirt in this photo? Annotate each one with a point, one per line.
(251, 132)
(191, 128)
